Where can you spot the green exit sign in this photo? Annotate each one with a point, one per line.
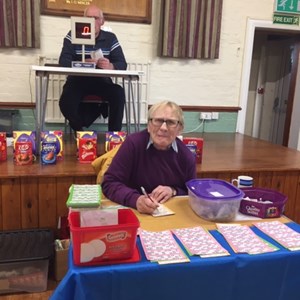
(288, 6)
(285, 19)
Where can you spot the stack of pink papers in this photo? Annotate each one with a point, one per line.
(199, 241)
(281, 233)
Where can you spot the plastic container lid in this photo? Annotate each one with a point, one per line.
(24, 245)
(214, 189)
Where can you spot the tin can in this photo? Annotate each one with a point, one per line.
(23, 153)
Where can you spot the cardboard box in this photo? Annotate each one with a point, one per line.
(61, 259)
(86, 146)
(263, 203)
(114, 138)
(196, 147)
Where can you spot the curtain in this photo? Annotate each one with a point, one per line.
(20, 23)
(191, 28)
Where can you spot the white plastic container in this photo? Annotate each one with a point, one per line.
(213, 199)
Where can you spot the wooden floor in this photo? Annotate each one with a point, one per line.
(34, 196)
(32, 296)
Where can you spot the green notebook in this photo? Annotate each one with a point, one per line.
(84, 195)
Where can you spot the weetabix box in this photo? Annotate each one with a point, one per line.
(191, 142)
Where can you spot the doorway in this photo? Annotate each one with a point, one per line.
(271, 89)
(269, 83)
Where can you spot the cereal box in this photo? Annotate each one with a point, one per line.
(191, 142)
(58, 136)
(114, 138)
(3, 146)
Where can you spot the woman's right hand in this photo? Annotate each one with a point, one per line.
(146, 206)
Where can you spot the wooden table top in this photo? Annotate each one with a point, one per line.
(184, 217)
(232, 152)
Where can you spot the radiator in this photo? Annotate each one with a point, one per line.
(56, 82)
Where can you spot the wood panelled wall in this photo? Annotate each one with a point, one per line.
(37, 202)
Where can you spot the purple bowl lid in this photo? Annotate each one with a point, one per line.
(214, 189)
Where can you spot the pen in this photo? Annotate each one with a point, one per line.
(146, 194)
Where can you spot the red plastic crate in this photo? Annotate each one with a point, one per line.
(97, 245)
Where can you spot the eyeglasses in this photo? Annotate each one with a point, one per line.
(169, 122)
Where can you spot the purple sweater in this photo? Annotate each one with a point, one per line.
(134, 166)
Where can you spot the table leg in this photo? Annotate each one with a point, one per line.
(38, 96)
(132, 101)
(126, 107)
(40, 102)
(138, 106)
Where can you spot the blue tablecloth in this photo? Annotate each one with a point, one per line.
(272, 276)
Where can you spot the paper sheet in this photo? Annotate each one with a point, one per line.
(161, 247)
(199, 241)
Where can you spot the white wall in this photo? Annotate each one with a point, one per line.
(188, 82)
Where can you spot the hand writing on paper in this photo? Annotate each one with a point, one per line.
(145, 205)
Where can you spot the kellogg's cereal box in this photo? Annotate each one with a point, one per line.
(57, 137)
(114, 138)
(196, 146)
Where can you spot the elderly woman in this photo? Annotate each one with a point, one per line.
(154, 159)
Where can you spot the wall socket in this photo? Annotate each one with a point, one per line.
(215, 115)
(205, 115)
(209, 116)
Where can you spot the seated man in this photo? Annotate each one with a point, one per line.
(153, 165)
(76, 88)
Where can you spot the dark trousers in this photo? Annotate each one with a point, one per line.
(81, 114)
